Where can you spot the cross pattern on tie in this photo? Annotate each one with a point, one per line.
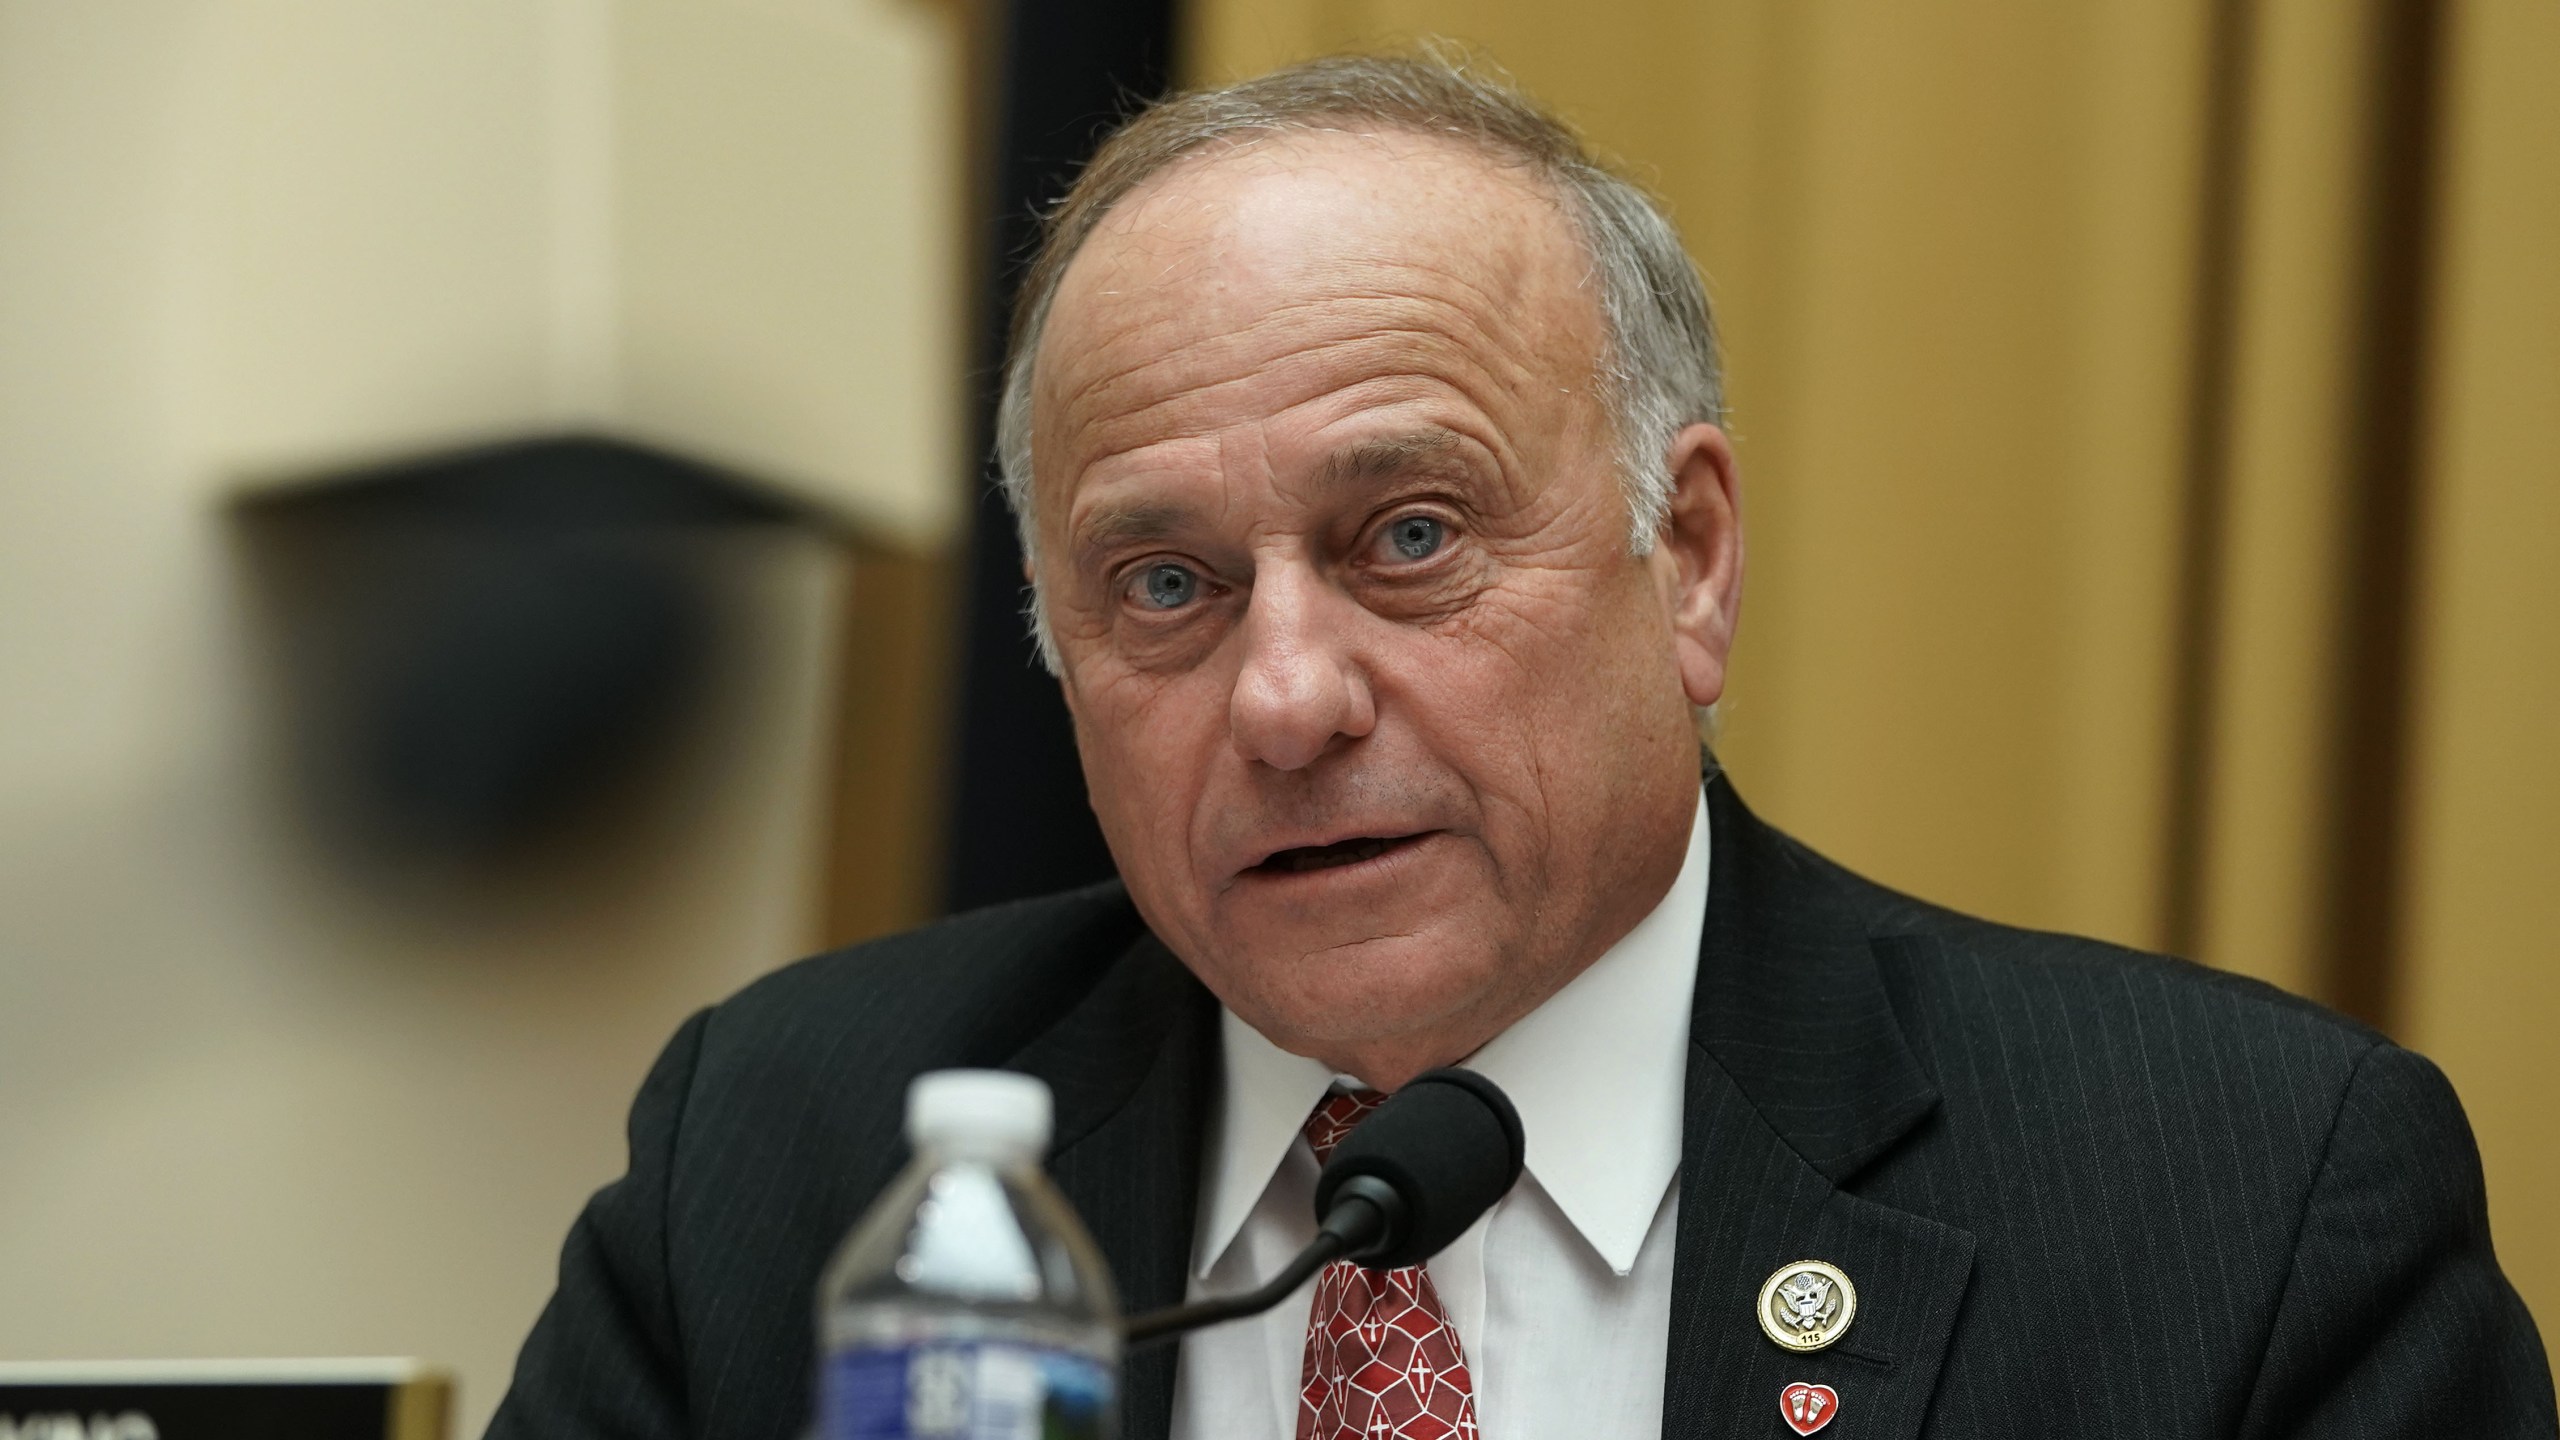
(1382, 1360)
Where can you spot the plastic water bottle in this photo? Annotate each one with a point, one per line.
(970, 1304)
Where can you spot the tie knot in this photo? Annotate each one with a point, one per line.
(1334, 1117)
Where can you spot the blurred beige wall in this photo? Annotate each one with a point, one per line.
(2093, 366)
(256, 1097)
(726, 227)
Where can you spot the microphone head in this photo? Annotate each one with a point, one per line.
(1448, 1144)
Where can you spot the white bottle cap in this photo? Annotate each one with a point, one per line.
(997, 1114)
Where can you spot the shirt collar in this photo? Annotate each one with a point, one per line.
(1596, 1073)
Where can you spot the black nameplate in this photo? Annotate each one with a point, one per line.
(82, 1407)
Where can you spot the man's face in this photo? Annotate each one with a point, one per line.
(1387, 728)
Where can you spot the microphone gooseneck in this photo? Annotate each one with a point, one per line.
(1447, 1146)
(1404, 1183)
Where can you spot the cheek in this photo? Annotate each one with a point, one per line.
(1147, 742)
(1480, 698)
(1543, 693)
(1526, 653)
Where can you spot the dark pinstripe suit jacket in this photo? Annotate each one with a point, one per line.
(2081, 1191)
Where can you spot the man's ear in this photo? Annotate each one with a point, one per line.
(1698, 557)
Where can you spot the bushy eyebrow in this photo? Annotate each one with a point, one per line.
(1123, 524)
(1364, 462)
(1383, 457)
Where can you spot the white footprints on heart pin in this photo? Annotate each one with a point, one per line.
(1807, 1408)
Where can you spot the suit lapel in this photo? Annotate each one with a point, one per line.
(1799, 1077)
(1134, 1071)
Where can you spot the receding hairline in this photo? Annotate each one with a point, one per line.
(1518, 177)
(1244, 145)
(1532, 175)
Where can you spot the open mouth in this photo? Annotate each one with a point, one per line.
(1335, 855)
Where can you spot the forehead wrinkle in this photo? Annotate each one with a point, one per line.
(1479, 333)
(1405, 351)
(1155, 229)
(1172, 418)
(1342, 466)
(1451, 287)
(1469, 325)
(1105, 407)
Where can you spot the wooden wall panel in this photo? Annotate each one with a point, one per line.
(2479, 982)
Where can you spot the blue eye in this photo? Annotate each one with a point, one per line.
(1415, 537)
(1167, 587)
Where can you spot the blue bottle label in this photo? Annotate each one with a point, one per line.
(979, 1390)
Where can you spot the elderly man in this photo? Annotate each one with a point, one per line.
(1363, 435)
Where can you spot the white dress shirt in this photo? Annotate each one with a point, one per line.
(1561, 1294)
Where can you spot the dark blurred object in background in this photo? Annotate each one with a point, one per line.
(1020, 824)
(510, 682)
(499, 634)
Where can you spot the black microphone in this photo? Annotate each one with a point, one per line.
(1405, 1182)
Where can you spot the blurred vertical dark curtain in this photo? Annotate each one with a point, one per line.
(1063, 72)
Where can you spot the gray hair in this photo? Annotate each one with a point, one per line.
(1658, 371)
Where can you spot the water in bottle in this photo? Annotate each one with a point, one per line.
(969, 1304)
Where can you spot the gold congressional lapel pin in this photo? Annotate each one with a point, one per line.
(1807, 1305)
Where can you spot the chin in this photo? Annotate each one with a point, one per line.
(1330, 998)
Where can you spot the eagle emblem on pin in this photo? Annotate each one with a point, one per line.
(1807, 1305)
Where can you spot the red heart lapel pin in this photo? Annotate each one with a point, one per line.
(1807, 1408)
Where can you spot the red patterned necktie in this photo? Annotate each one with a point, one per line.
(1383, 1361)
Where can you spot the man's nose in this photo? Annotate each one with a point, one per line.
(1298, 687)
